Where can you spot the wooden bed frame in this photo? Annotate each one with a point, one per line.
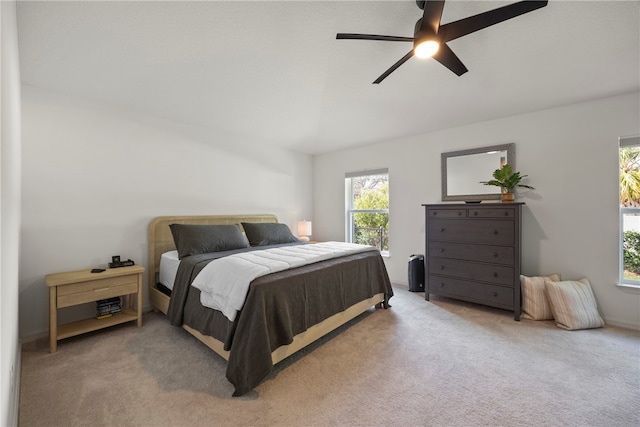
(161, 240)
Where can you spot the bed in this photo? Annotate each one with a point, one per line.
(283, 311)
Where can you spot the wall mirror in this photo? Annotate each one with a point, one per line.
(463, 170)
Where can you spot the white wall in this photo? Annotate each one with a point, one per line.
(570, 223)
(93, 178)
(9, 216)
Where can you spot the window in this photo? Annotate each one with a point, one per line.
(629, 154)
(367, 201)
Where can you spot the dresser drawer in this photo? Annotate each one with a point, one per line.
(491, 273)
(496, 296)
(492, 213)
(483, 253)
(447, 213)
(491, 232)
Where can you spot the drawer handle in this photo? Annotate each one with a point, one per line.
(495, 274)
(435, 213)
(442, 285)
(495, 294)
(459, 213)
(101, 289)
(495, 232)
(495, 254)
(442, 267)
(506, 213)
(442, 230)
(441, 250)
(475, 213)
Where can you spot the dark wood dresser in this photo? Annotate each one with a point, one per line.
(473, 253)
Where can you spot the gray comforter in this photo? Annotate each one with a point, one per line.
(278, 307)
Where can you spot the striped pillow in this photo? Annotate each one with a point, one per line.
(573, 304)
(534, 297)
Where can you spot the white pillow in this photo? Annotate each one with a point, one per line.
(535, 304)
(573, 304)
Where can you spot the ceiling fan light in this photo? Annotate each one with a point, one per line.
(426, 49)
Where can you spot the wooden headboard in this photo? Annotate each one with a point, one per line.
(161, 240)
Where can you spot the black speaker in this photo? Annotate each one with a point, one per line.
(416, 273)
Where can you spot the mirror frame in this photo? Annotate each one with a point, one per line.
(511, 159)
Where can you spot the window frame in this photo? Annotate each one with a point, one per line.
(349, 199)
(629, 141)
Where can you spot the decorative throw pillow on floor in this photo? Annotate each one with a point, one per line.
(534, 297)
(573, 304)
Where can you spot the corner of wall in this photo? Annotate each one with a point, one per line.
(10, 214)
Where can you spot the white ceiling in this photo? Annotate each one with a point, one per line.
(274, 73)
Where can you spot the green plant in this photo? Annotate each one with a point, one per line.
(631, 251)
(507, 179)
(629, 176)
(371, 228)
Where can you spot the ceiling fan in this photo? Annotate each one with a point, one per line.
(430, 38)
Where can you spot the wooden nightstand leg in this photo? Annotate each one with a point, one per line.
(53, 320)
(139, 299)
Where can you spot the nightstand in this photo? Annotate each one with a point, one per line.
(80, 287)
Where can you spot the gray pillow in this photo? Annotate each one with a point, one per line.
(268, 233)
(192, 239)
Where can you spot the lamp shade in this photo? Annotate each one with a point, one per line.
(304, 230)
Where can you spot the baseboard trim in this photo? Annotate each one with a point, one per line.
(622, 324)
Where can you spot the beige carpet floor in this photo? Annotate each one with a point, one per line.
(438, 363)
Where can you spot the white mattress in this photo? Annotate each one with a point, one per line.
(169, 263)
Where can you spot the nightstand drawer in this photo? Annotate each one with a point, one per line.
(97, 285)
(94, 294)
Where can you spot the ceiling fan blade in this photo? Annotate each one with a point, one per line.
(393, 67)
(431, 15)
(341, 36)
(453, 30)
(446, 57)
